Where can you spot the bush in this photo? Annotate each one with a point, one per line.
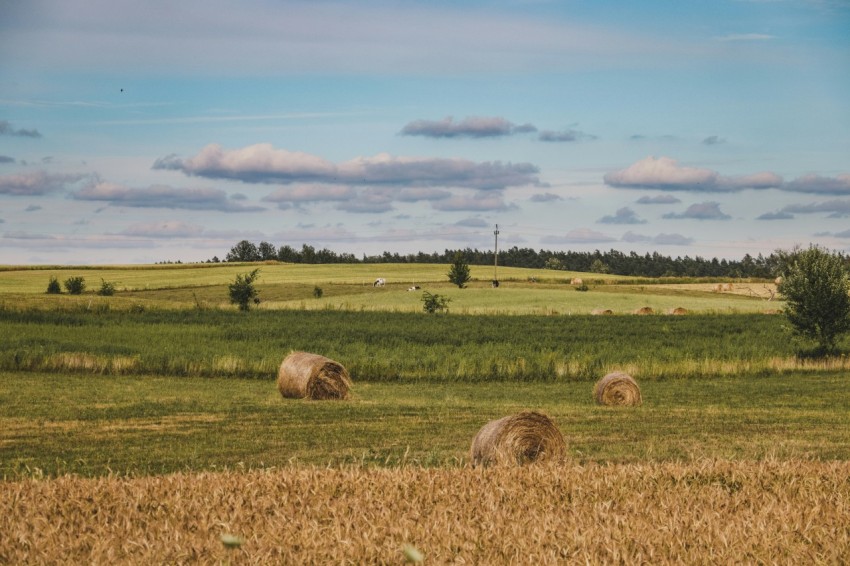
(75, 285)
(582, 287)
(317, 292)
(242, 290)
(107, 289)
(53, 287)
(433, 303)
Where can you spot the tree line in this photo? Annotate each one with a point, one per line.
(612, 261)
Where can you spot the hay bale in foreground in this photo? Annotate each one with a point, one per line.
(518, 439)
(311, 376)
(644, 310)
(617, 388)
(601, 311)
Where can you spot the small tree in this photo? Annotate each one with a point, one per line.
(459, 272)
(242, 290)
(243, 251)
(432, 303)
(53, 287)
(817, 295)
(75, 285)
(317, 292)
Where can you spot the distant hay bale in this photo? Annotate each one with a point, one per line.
(601, 311)
(617, 389)
(311, 376)
(576, 281)
(778, 280)
(678, 310)
(518, 439)
(718, 288)
(644, 310)
(728, 286)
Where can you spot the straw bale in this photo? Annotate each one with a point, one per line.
(518, 439)
(311, 376)
(728, 286)
(644, 310)
(576, 281)
(617, 388)
(718, 288)
(678, 310)
(601, 311)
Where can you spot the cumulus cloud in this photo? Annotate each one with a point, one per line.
(780, 215)
(312, 192)
(545, 197)
(665, 173)
(415, 194)
(836, 208)
(162, 196)
(6, 129)
(164, 229)
(369, 201)
(816, 184)
(701, 211)
(6, 159)
(473, 127)
(659, 199)
(659, 240)
(37, 183)
(262, 163)
(479, 202)
(564, 136)
(579, 236)
(473, 222)
(623, 215)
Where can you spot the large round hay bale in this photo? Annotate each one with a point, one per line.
(518, 439)
(644, 310)
(311, 376)
(678, 311)
(601, 311)
(618, 389)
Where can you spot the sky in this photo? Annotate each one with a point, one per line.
(143, 132)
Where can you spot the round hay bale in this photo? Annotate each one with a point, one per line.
(518, 439)
(728, 287)
(601, 311)
(718, 288)
(304, 375)
(576, 281)
(679, 310)
(617, 389)
(644, 310)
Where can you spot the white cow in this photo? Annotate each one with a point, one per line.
(379, 282)
(414, 288)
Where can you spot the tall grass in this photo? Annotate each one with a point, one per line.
(381, 346)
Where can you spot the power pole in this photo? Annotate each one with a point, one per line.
(496, 258)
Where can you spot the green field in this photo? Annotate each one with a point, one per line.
(94, 425)
(166, 375)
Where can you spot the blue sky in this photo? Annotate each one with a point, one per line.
(136, 132)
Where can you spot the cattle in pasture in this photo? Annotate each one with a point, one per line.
(379, 282)
(414, 288)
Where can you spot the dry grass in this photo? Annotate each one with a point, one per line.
(708, 512)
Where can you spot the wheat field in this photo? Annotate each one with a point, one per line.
(702, 512)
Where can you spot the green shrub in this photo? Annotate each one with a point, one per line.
(317, 292)
(432, 303)
(75, 285)
(53, 287)
(242, 290)
(107, 289)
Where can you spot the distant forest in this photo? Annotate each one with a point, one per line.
(612, 261)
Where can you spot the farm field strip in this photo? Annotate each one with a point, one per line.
(52, 424)
(705, 511)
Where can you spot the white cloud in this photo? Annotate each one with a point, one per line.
(623, 215)
(164, 229)
(262, 163)
(701, 211)
(36, 183)
(473, 127)
(816, 184)
(162, 196)
(665, 173)
(579, 236)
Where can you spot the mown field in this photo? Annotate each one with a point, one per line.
(145, 426)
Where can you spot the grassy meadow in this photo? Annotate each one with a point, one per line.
(157, 406)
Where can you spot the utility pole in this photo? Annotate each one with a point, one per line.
(496, 259)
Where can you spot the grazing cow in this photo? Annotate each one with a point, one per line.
(414, 288)
(379, 282)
